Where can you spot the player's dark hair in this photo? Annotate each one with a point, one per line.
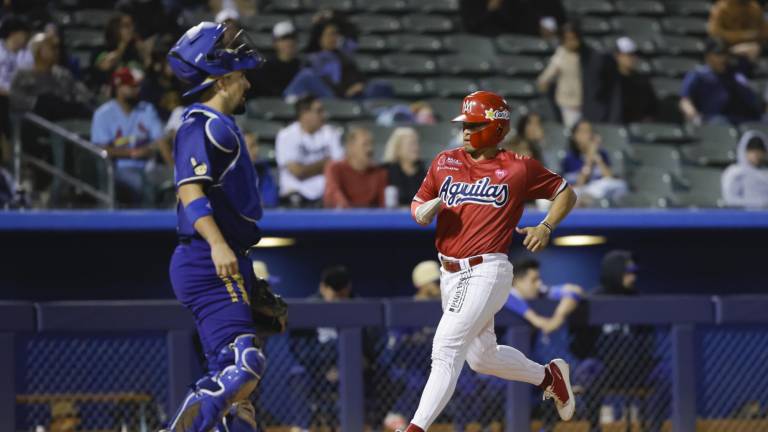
(756, 143)
(574, 27)
(522, 124)
(522, 266)
(336, 277)
(304, 104)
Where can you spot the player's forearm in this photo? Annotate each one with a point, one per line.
(205, 225)
(561, 206)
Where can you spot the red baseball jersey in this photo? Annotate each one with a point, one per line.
(482, 201)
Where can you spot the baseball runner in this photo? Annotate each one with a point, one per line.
(218, 207)
(478, 192)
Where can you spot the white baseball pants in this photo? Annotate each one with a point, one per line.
(470, 298)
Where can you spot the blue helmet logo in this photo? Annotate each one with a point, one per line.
(204, 52)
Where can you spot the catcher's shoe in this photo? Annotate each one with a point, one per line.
(560, 389)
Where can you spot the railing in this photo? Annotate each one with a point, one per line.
(59, 137)
(680, 316)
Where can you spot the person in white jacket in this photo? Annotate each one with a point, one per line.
(745, 183)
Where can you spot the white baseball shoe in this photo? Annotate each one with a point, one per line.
(560, 389)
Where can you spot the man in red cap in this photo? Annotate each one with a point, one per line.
(478, 192)
(130, 131)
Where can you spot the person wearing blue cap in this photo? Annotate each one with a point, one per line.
(219, 206)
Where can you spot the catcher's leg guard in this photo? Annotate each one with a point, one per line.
(241, 417)
(213, 394)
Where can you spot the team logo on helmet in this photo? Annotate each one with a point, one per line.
(480, 192)
(492, 114)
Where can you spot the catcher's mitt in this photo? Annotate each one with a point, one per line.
(270, 312)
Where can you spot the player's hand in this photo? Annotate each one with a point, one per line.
(224, 260)
(536, 238)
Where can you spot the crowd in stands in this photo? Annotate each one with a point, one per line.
(57, 63)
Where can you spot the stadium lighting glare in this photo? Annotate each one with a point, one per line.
(273, 242)
(579, 240)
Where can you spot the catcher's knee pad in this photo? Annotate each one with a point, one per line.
(213, 394)
(241, 417)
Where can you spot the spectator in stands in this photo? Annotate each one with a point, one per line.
(267, 183)
(527, 285)
(130, 131)
(14, 33)
(47, 88)
(740, 24)
(529, 137)
(495, 17)
(355, 181)
(302, 150)
(587, 167)
(631, 96)
(281, 67)
(716, 92)
(160, 87)
(419, 112)
(402, 159)
(329, 72)
(122, 48)
(745, 183)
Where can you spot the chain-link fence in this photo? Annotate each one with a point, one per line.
(734, 379)
(91, 382)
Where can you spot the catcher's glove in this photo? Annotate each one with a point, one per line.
(270, 312)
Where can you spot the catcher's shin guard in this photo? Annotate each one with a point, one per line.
(212, 396)
(241, 417)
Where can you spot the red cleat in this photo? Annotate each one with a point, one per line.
(560, 389)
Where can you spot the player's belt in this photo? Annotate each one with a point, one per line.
(452, 266)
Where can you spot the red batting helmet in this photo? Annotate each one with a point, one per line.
(485, 107)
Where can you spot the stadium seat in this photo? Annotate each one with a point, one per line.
(595, 26)
(372, 44)
(265, 129)
(675, 67)
(640, 7)
(652, 182)
(520, 65)
(646, 44)
(263, 22)
(589, 7)
(92, 18)
(470, 44)
(659, 133)
(83, 38)
(194, 17)
(436, 6)
(555, 136)
(758, 126)
(450, 87)
(703, 188)
(446, 109)
(436, 138)
(368, 64)
(633, 25)
(406, 87)
(685, 26)
(518, 44)
(422, 23)
(80, 127)
(408, 64)
(270, 109)
(335, 5)
(641, 200)
(343, 109)
(303, 22)
(464, 64)
(726, 135)
(285, 6)
(83, 58)
(510, 88)
(710, 153)
(662, 157)
(614, 137)
(681, 45)
(666, 87)
(543, 107)
(375, 23)
(596, 43)
(262, 40)
(416, 43)
(384, 6)
(690, 8)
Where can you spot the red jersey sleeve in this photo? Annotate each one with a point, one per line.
(428, 188)
(541, 182)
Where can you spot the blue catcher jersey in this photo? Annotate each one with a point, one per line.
(210, 149)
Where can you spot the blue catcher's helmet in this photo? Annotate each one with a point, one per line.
(206, 51)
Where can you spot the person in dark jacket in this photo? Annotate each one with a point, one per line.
(628, 93)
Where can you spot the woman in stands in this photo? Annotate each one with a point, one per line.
(402, 158)
(587, 167)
